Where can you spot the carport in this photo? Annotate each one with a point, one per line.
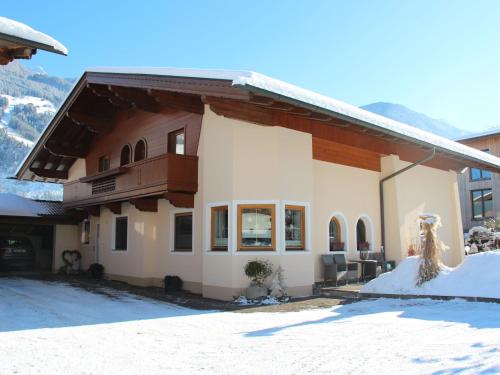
(43, 223)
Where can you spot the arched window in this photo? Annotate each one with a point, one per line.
(140, 152)
(125, 155)
(335, 235)
(361, 235)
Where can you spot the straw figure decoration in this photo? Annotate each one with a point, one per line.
(431, 248)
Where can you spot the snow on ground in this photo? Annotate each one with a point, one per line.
(48, 328)
(477, 276)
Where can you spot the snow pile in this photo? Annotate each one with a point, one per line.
(20, 30)
(244, 301)
(477, 276)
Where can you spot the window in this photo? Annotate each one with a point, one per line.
(176, 142)
(103, 163)
(85, 232)
(295, 226)
(219, 236)
(183, 231)
(256, 228)
(480, 174)
(482, 204)
(121, 224)
(335, 235)
(140, 152)
(125, 155)
(361, 236)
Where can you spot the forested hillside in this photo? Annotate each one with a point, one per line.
(28, 101)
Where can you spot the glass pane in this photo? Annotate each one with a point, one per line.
(256, 227)
(334, 234)
(486, 174)
(293, 228)
(179, 144)
(140, 151)
(121, 233)
(125, 155)
(183, 232)
(475, 174)
(220, 222)
(477, 205)
(488, 203)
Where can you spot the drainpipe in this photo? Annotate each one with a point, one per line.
(381, 189)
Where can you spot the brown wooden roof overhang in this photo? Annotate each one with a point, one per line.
(90, 108)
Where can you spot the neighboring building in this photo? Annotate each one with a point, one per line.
(44, 223)
(195, 172)
(19, 41)
(480, 189)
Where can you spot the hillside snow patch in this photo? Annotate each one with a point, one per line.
(477, 276)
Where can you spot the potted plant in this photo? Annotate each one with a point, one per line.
(257, 271)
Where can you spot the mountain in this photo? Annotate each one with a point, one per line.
(28, 101)
(405, 115)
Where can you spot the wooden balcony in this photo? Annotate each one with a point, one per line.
(147, 178)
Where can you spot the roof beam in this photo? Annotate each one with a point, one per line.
(181, 102)
(114, 207)
(55, 148)
(99, 125)
(50, 173)
(137, 97)
(145, 204)
(180, 199)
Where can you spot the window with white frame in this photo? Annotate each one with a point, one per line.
(121, 233)
(183, 232)
(85, 239)
(256, 227)
(219, 228)
(295, 227)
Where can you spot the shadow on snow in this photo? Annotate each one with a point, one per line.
(29, 304)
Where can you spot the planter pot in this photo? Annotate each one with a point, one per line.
(256, 291)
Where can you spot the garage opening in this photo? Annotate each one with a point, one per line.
(26, 247)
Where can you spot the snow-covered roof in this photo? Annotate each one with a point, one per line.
(15, 205)
(486, 133)
(10, 28)
(286, 91)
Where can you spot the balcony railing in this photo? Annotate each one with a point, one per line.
(167, 172)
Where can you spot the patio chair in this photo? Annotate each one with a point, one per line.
(331, 271)
(352, 268)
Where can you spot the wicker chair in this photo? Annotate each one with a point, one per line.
(336, 268)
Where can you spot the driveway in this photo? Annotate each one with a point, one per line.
(51, 327)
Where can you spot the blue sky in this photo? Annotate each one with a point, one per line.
(437, 57)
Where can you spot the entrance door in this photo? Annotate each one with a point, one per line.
(96, 246)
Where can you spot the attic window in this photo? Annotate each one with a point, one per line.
(176, 141)
(140, 150)
(103, 163)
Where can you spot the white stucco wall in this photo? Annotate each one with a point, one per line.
(65, 238)
(421, 189)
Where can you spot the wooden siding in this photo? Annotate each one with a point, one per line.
(466, 185)
(150, 177)
(134, 125)
(339, 153)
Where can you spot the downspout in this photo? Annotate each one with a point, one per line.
(381, 190)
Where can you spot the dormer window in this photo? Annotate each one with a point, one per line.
(140, 152)
(176, 142)
(103, 163)
(125, 155)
